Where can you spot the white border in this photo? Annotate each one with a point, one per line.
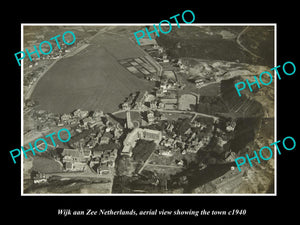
(150, 24)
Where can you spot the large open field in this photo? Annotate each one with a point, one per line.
(92, 79)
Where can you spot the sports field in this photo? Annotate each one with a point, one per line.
(92, 79)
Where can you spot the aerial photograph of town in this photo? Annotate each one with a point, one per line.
(162, 117)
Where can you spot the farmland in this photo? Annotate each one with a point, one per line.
(212, 42)
(92, 79)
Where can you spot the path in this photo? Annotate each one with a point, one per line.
(242, 46)
(170, 111)
(146, 162)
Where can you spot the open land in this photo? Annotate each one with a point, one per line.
(82, 80)
(159, 118)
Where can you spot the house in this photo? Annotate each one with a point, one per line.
(60, 124)
(103, 169)
(86, 154)
(92, 143)
(97, 114)
(72, 155)
(105, 157)
(153, 104)
(168, 153)
(78, 166)
(180, 162)
(230, 126)
(74, 159)
(117, 133)
(97, 153)
(86, 121)
(111, 164)
(80, 113)
(104, 140)
(138, 133)
(191, 150)
(230, 156)
(112, 154)
(150, 117)
(169, 100)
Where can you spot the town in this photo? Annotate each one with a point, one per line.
(155, 135)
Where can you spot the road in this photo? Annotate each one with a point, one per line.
(170, 111)
(74, 52)
(242, 46)
(146, 162)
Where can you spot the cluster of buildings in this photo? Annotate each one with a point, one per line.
(75, 159)
(189, 142)
(98, 161)
(91, 131)
(197, 135)
(103, 161)
(82, 118)
(154, 50)
(79, 119)
(94, 131)
(55, 53)
(44, 120)
(163, 98)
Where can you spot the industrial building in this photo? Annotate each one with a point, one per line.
(137, 134)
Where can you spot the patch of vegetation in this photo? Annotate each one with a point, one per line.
(46, 165)
(143, 150)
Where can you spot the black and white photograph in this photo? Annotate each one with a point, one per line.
(159, 117)
(150, 113)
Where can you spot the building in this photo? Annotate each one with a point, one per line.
(103, 169)
(126, 106)
(230, 126)
(80, 113)
(129, 121)
(139, 133)
(168, 106)
(72, 155)
(86, 121)
(153, 104)
(167, 153)
(230, 156)
(104, 140)
(65, 117)
(86, 154)
(78, 166)
(97, 153)
(92, 143)
(150, 117)
(97, 114)
(168, 100)
(74, 159)
(127, 150)
(139, 101)
(150, 135)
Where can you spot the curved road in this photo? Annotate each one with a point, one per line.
(170, 111)
(242, 46)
